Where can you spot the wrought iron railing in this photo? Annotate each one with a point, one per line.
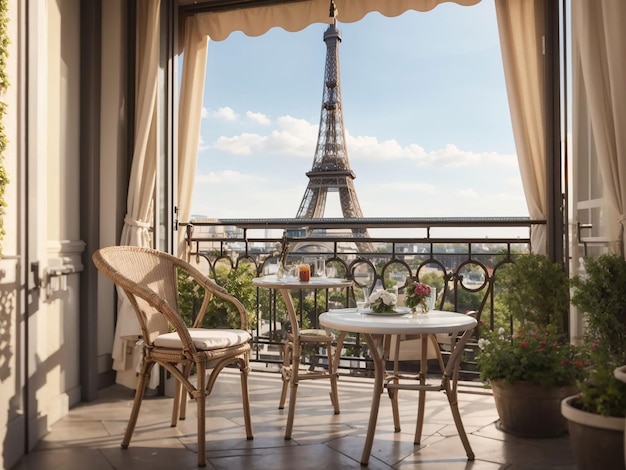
(462, 268)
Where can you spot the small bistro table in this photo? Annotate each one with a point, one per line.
(296, 337)
(375, 328)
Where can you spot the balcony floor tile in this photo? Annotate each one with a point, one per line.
(90, 435)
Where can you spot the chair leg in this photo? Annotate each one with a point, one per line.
(183, 397)
(421, 404)
(178, 397)
(293, 387)
(332, 371)
(333, 368)
(437, 347)
(201, 404)
(245, 395)
(456, 414)
(286, 372)
(393, 392)
(144, 378)
(176, 406)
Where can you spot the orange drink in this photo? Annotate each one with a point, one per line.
(304, 272)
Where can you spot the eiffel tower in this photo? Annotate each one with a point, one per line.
(331, 168)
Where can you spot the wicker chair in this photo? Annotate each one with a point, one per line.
(149, 279)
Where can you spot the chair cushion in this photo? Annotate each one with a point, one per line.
(314, 332)
(205, 339)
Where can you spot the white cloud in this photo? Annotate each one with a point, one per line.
(291, 137)
(297, 126)
(368, 148)
(259, 118)
(243, 144)
(226, 177)
(295, 137)
(226, 113)
(231, 194)
(204, 113)
(452, 156)
(393, 180)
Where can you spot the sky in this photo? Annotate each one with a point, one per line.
(427, 121)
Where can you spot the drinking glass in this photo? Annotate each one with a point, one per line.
(320, 267)
(361, 297)
(331, 271)
(366, 296)
(431, 300)
(291, 270)
(304, 272)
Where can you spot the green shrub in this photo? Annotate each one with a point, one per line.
(534, 292)
(600, 295)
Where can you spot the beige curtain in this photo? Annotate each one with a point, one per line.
(520, 23)
(298, 15)
(599, 39)
(137, 228)
(189, 117)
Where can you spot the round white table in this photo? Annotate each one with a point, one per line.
(293, 347)
(375, 328)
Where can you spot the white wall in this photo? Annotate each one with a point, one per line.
(54, 326)
(12, 423)
(43, 131)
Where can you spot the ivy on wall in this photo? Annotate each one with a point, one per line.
(4, 84)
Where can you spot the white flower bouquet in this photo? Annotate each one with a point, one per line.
(382, 300)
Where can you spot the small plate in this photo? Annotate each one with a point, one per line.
(390, 313)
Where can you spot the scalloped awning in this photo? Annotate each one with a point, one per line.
(258, 18)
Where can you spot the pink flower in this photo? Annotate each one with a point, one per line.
(421, 290)
(416, 294)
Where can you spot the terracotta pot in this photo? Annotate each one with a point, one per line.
(597, 441)
(530, 410)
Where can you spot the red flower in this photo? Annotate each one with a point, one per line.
(523, 344)
(416, 294)
(421, 290)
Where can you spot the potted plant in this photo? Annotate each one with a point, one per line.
(533, 368)
(596, 414)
